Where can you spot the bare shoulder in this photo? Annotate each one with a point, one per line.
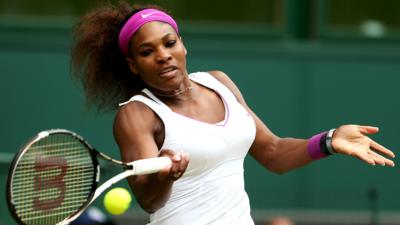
(133, 110)
(135, 127)
(132, 118)
(221, 76)
(227, 81)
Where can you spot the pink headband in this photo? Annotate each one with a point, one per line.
(137, 20)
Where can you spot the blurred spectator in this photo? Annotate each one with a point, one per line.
(280, 221)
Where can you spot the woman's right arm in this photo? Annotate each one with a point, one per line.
(135, 128)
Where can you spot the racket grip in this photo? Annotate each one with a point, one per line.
(151, 165)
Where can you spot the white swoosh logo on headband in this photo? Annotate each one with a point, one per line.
(148, 14)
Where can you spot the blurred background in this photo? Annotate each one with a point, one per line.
(303, 67)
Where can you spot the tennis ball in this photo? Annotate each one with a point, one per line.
(117, 201)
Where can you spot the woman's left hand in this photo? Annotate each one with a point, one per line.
(353, 140)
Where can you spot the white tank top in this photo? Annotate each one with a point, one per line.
(212, 189)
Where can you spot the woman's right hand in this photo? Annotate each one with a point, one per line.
(180, 161)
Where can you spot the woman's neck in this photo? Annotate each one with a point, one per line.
(173, 93)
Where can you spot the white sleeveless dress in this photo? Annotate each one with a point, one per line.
(212, 189)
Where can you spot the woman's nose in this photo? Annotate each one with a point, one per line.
(163, 55)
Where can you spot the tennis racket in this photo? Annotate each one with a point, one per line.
(55, 177)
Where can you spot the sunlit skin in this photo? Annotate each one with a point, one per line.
(139, 132)
(156, 60)
(158, 56)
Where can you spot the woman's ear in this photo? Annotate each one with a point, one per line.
(132, 66)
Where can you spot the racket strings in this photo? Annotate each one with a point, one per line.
(53, 179)
(72, 152)
(77, 181)
(48, 173)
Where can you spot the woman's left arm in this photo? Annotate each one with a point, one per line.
(281, 155)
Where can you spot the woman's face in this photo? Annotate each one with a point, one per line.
(158, 56)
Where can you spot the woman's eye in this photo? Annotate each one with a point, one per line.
(145, 53)
(170, 43)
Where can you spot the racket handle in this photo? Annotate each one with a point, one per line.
(152, 165)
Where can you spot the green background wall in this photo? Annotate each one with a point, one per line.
(297, 88)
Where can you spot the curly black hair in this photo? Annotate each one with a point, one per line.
(96, 59)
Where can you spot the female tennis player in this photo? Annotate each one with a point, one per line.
(135, 56)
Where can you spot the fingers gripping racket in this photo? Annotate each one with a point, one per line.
(55, 177)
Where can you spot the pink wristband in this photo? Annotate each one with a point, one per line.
(314, 148)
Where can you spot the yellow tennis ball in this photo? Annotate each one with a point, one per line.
(117, 201)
